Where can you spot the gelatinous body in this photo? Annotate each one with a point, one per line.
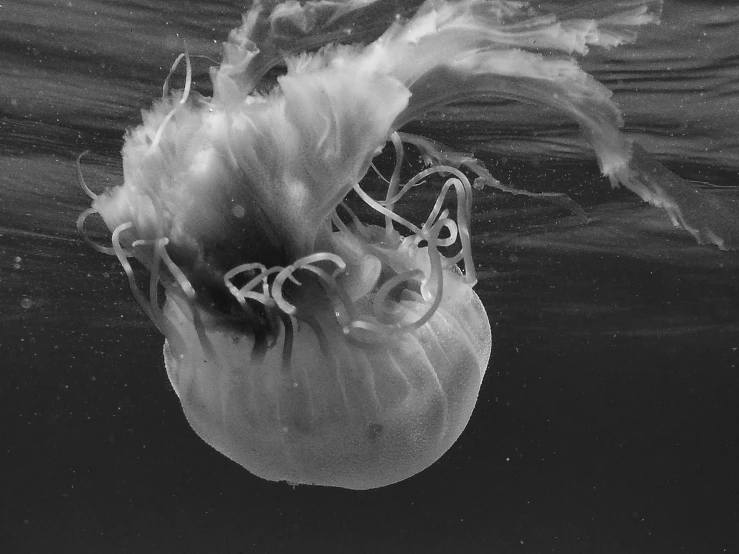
(305, 344)
(326, 409)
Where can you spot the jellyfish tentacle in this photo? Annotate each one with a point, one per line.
(435, 277)
(340, 225)
(459, 181)
(415, 181)
(151, 307)
(246, 291)
(380, 301)
(385, 211)
(179, 276)
(307, 263)
(81, 178)
(161, 322)
(109, 250)
(292, 411)
(263, 297)
(200, 330)
(287, 344)
(431, 218)
(175, 64)
(243, 268)
(154, 265)
(451, 227)
(432, 290)
(122, 256)
(154, 274)
(183, 99)
(374, 168)
(395, 177)
(463, 191)
(174, 269)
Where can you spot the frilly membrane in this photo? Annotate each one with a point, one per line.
(275, 166)
(250, 177)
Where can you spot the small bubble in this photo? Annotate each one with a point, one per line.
(238, 211)
(374, 430)
(26, 303)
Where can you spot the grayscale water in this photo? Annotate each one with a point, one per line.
(608, 421)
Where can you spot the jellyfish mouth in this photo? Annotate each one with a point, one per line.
(361, 276)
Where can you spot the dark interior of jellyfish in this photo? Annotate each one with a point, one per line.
(305, 342)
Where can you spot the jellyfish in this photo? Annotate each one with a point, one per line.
(304, 341)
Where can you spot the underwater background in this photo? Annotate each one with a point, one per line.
(608, 420)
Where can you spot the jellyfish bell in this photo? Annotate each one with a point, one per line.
(304, 342)
(323, 404)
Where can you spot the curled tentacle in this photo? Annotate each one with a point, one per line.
(109, 250)
(81, 178)
(183, 99)
(306, 263)
(382, 307)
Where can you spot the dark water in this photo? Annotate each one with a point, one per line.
(609, 417)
